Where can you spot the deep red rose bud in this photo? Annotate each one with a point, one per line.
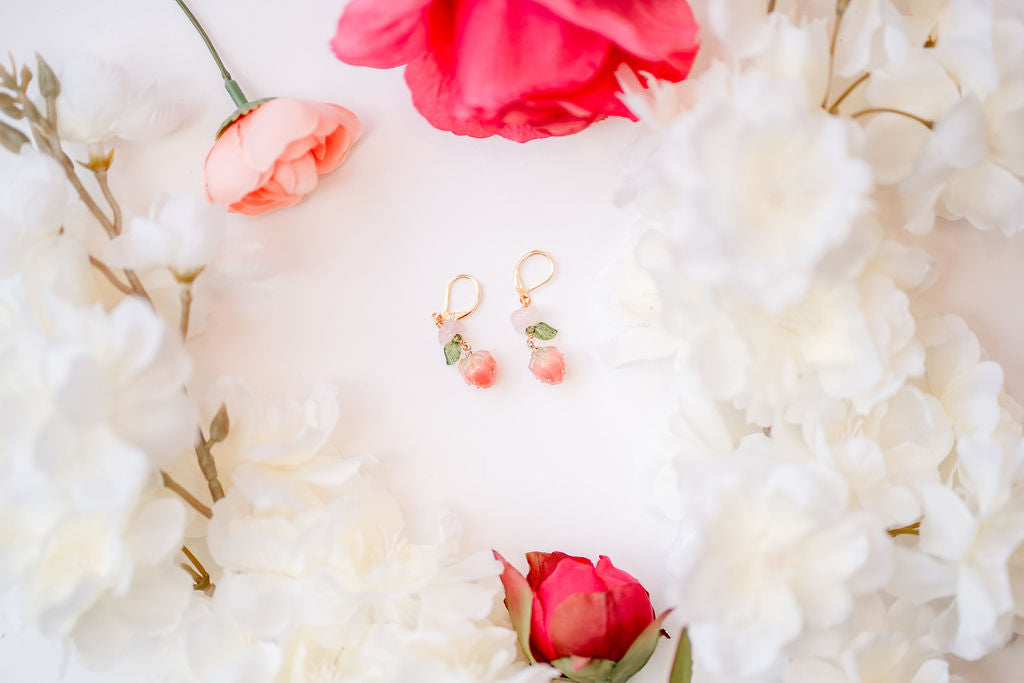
(593, 623)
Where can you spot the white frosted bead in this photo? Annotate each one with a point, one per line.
(526, 317)
(449, 328)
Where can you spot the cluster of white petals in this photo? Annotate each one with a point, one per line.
(847, 485)
(306, 570)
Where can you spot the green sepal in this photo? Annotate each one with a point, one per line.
(595, 670)
(542, 331)
(519, 602)
(242, 110)
(639, 652)
(682, 669)
(453, 350)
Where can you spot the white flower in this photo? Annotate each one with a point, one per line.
(277, 453)
(34, 192)
(968, 387)
(98, 103)
(466, 654)
(767, 552)
(755, 186)
(885, 455)
(971, 164)
(884, 645)
(117, 375)
(181, 232)
(968, 534)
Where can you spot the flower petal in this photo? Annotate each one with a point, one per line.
(381, 34)
(651, 29)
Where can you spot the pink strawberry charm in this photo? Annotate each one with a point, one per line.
(478, 368)
(547, 364)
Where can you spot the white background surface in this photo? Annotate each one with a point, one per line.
(345, 282)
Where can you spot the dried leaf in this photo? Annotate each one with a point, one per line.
(49, 86)
(9, 106)
(26, 77)
(219, 426)
(12, 138)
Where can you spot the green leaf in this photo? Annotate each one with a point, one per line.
(682, 670)
(640, 651)
(544, 331)
(240, 112)
(452, 351)
(595, 670)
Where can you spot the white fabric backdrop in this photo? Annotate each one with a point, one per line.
(341, 287)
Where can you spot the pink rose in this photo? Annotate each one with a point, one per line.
(592, 623)
(522, 69)
(271, 157)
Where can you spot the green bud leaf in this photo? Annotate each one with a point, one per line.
(682, 669)
(12, 138)
(592, 671)
(452, 351)
(544, 331)
(240, 112)
(220, 425)
(49, 86)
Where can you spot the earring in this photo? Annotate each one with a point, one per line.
(546, 362)
(477, 367)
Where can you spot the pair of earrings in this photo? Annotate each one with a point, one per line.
(479, 368)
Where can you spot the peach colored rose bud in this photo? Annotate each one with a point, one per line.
(478, 369)
(271, 157)
(547, 364)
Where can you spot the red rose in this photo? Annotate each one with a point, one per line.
(593, 623)
(522, 69)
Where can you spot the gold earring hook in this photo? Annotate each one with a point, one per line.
(524, 291)
(447, 312)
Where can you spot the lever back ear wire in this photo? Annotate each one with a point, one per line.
(478, 368)
(546, 362)
(517, 280)
(447, 313)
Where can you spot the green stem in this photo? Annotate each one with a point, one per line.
(229, 83)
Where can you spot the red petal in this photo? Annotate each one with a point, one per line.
(382, 33)
(540, 635)
(507, 50)
(542, 564)
(629, 613)
(656, 30)
(579, 626)
(612, 575)
(568, 578)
